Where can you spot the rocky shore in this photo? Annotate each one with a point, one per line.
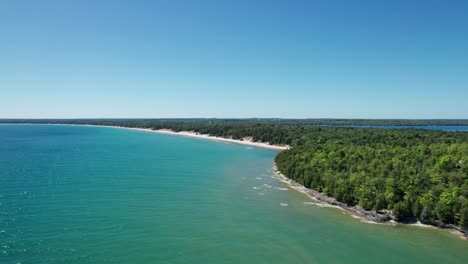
(370, 216)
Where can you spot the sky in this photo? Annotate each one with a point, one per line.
(233, 59)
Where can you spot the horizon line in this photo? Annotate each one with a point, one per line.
(219, 118)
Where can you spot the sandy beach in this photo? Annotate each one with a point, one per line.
(245, 141)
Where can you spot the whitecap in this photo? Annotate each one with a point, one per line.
(283, 204)
(282, 189)
(258, 178)
(370, 222)
(419, 224)
(322, 205)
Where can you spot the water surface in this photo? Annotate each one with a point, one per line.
(71, 194)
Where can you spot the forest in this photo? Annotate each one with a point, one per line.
(416, 174)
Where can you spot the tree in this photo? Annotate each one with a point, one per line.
(464, 219)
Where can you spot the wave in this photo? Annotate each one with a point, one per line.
(323, 205)
(419, 224)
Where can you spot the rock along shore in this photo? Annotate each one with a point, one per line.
(370, 216)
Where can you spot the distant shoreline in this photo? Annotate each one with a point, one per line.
(245, 141)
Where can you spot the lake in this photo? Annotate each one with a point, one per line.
(80, 194)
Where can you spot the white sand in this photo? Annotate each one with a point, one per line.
(245, 141)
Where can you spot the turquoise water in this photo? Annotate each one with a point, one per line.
(71, 194)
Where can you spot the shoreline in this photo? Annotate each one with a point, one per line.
(245, 141)
(365, 216)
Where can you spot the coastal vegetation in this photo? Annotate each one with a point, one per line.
(415, 174)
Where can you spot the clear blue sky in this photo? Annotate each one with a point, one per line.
(300, 59)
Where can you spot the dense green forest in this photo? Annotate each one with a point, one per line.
(415, 173)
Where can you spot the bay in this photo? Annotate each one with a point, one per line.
(80, 194)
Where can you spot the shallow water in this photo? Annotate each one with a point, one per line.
(71, 194)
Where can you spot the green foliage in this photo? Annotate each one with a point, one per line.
(464, 218)
(414, 173)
